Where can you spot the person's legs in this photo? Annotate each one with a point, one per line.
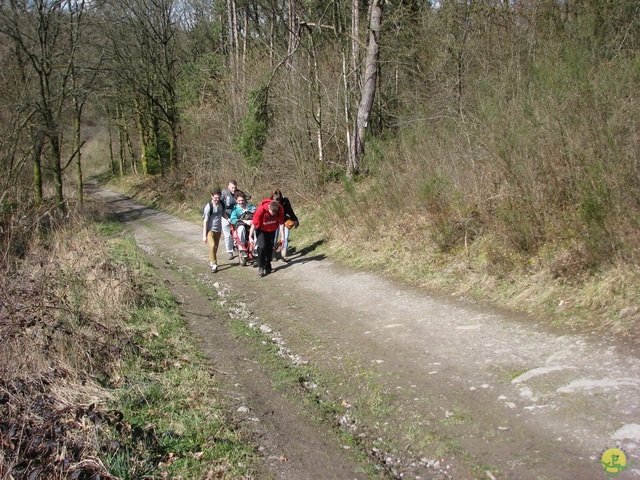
(264, 244)
(242, 233)
(216, 243)
(213, 240)
(285, 244)
(211, 243)
(228, 238)
(276, 236)
(260, 246)
(269, 238)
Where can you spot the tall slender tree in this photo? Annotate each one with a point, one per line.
(147, 58)
(368, 90)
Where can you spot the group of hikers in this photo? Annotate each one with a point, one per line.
(264, 226)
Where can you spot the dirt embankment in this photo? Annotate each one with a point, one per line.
(428, 387)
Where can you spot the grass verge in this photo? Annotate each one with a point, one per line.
(99, 374)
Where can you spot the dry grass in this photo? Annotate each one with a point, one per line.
(99, 375)
(359, 224)
(554, 287)
(61, 330)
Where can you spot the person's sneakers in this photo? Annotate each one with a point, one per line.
(230, 255)
(261, 272)
(267, 269)
(286, 259)
(214, 267)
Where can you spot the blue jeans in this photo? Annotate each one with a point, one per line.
(285, 244)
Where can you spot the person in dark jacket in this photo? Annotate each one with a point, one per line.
(268, 219)
(290, 221)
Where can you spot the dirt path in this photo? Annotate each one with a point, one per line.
(495, 391)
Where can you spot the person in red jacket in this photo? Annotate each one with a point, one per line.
(268, 219)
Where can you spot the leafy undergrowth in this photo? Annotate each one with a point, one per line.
(98, 375)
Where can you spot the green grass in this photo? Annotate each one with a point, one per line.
(110, 227)
(173, 417)
(456, 417)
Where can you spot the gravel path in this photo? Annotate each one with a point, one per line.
(502, 392)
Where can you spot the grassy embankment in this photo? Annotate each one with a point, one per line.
(99, 373)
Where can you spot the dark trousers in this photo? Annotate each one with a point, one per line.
(264, 245)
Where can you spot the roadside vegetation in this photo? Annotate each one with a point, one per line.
(98, 372)
(352, 225)
(496, 158)
(486, 148)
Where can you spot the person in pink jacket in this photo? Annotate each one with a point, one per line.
(268, 219)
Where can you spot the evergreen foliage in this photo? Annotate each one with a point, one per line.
(254, 127)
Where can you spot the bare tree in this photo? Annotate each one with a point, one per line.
(45, 35)
(84, 74)
(18, 138)
(146, 63)
(368, 91)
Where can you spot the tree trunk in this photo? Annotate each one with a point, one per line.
(244, 47)
(121, 141)
(144, 159)
(272, 32)
(56, 161)
(110, 130)
(155, 135)
(38, 145)
(316, 97)
(355, 43)
(347, 115)
(132, 155)
(126, 146)
(173, 136)
(293, 37)
(233, 61)
(77, 148)
(350, 77)
(232, 26)
(368, 87)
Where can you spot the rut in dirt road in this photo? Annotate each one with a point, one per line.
(452, 389)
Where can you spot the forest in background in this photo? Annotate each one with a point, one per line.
(497, 139)
(483, 148)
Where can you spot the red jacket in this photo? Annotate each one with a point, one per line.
(266, 222)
